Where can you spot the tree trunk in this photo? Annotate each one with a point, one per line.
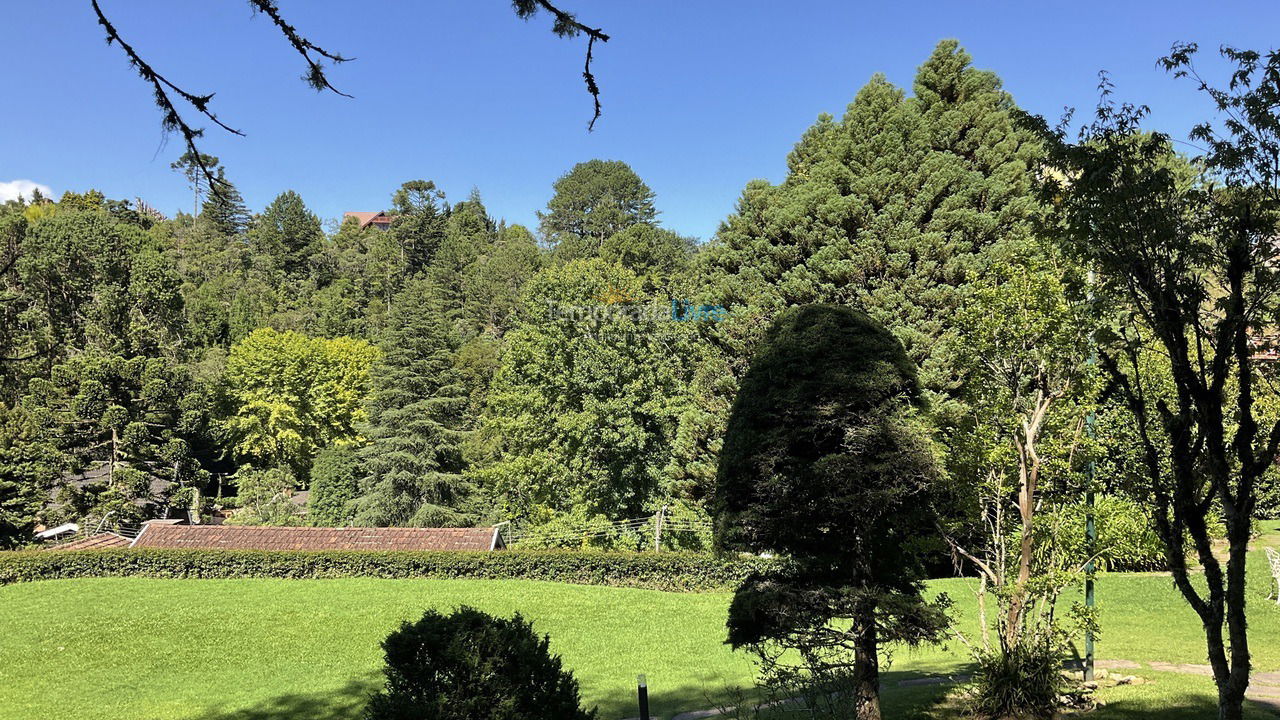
(866, 665)
(1230, 705)
(1028, 481)
(1231, 693)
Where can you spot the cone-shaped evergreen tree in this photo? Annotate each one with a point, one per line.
(287, 233)
(895, 209)
(413, 464)
(225, 210)
(468, 235)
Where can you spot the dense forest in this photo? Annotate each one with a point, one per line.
(452, 369)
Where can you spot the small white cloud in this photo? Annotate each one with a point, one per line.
(12, 189)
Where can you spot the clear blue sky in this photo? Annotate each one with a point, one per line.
(699, 95)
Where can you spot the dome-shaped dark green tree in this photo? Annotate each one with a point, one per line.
(473, 666)
(826, 465)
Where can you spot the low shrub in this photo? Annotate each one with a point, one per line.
(472, 666)
(679, 572)
(1024, 682)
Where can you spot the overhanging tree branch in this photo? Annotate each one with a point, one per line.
(315, 76)
(566, 25)
(171, 119)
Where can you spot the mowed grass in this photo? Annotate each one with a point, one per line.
(258, 649)
(123, 648)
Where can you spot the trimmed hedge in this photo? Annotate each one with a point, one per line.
(677, 572)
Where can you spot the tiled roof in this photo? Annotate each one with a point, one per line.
(242, 537)
(101, 541)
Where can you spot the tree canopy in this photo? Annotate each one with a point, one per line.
(826, 463)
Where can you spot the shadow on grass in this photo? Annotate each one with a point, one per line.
(344, 703)
(663, 702)
(897, 701)
(1184, 710)
(1199, 709)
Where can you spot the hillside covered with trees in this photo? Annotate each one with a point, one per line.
(453, 369)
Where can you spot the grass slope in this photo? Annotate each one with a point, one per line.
(151, 649)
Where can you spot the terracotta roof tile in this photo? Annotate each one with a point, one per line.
(232, 537)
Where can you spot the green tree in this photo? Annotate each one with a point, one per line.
(592, 202)
(419, 223)
(17, 346)
(87, 280)
(651, 252)
(583, 405)
(473, 666)
(1024, 348)
(293, 395)
(891, 209)
(264, 497)
(469, 234)
(28, 466)
(225, 210)
(1188, 250)
(492, 284)
(895, 209)
(144, 418)
(355, 279)
(335, 484)
(826, 463)
(192, 166)
(413, 462)
(288, 234)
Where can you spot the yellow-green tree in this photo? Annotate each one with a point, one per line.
(294, 394)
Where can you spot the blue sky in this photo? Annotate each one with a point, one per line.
(699, 96)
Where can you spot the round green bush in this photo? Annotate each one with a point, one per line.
(473, 666)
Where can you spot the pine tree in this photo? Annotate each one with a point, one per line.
(419, 222)
(287, 233)
(225, 210)
(413, 463)
(468, 235)
(493, 282)
(895, 209)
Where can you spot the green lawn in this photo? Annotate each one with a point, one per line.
(148, 649)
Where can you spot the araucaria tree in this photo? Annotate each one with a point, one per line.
(594, 201)
(1191, 250)
(825, 464)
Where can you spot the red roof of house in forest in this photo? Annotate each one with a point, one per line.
(368, 218)
(101, 541)
(242, 537)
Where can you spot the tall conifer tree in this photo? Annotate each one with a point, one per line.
(225, 209)
(894, 209)
(413, 464)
